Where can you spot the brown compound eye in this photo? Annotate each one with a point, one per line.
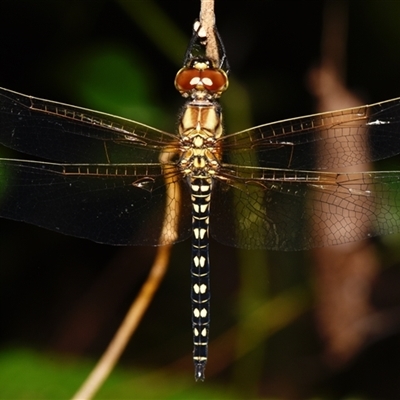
(215, 80)
(212, 80)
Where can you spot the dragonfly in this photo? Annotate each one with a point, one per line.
(120, 182)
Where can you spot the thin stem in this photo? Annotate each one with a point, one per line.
(207, 22)
(112, 354)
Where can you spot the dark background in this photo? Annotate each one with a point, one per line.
(67, 296)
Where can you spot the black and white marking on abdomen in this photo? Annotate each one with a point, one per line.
(200, 272)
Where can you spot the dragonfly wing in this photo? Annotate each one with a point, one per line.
(118, 205)
(64, 133)
(297, 210)
(346, 137)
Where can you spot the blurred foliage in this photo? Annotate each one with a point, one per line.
(62, 295)
(48, 376)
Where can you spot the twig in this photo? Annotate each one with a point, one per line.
(127, 328)
(207, 22)
(136, 312)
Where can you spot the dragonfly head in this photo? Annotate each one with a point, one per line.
(200, 79)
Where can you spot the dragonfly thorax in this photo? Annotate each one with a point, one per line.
(199, 161)
(199, 130)
(201, 121)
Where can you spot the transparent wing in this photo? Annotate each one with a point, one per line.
(64, 133)
(296, 210)
(346, 137)
(113, 204)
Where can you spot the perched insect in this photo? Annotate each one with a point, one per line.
(120, 182)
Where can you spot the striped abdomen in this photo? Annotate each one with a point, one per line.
(200, 271)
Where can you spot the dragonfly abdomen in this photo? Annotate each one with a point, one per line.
(200, 271)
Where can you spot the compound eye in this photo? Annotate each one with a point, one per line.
(215, 80)
(212, 80)
(186, 79)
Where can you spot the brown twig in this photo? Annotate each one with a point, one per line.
(207, 22)
(168, 235)
(127, 328)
